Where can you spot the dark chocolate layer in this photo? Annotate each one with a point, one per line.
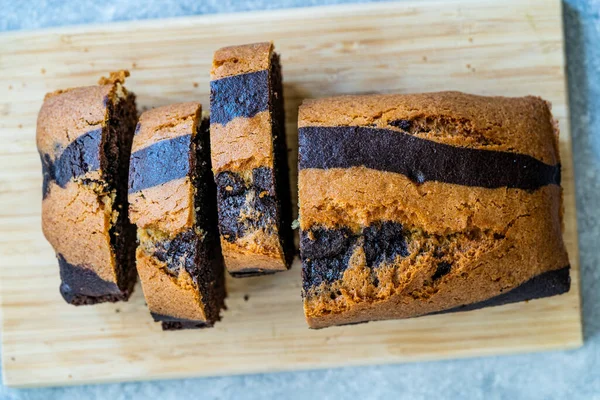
(80, 285)
(179, 252)
(325, 253)
(173, 324)
(383, 242)
(159, 163)
(80, 157)
(547, 284)
(260, 212)
(419, 159)
(243, 95)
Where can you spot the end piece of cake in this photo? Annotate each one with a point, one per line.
(427, 203)
(172, 200)
(249, 160)
(84, 139)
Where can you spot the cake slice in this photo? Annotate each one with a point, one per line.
(249, 159)
(427, 203)
(172, 200)
(84, 139)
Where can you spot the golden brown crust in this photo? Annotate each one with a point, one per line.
(358, 197)
(176, 297)
(235, 60)
(242, 144)
(86, 216)
(520, 124)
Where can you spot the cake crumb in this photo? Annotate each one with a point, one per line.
(114, 77)
(20, 126)
(195, 84)
(43, 71)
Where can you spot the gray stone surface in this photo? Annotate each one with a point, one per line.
(556, 375)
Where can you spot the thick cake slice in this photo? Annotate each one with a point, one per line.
(249, 158)
(172, 201)
(84, 140)
(427, 203)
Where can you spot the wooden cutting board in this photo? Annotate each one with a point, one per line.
(509, 48)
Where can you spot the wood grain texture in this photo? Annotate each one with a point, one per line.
(487, 47)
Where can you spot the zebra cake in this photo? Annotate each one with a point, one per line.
(427, 203)
(172, 200)
(84, 139)
(249, 160)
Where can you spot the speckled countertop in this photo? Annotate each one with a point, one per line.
(556, 375)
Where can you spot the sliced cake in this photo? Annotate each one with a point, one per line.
(249, 160)
(172, 200)
(84, 139)
(427, 203)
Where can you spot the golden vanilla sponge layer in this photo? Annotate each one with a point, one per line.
(358, 197)
(167, 207)
(258, 250)
(242, 144)
(76, 221)
(174, 295)
(70, 113)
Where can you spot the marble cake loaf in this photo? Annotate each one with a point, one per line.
(427, 203)
(172, 200)
(84, 139)
(249, 160)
